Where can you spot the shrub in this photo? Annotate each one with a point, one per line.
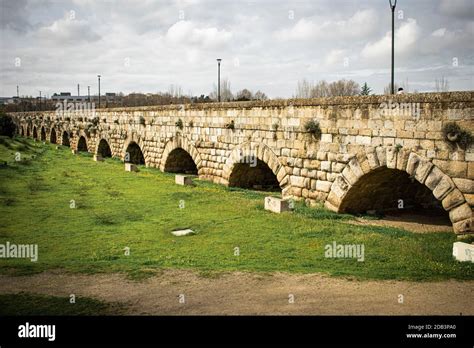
(179, 124)
(455, 136)
(7, 126)
(230, 125)
(312, 127)
(191, 124)
(141, 120)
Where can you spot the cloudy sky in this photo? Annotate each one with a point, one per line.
(147, 45)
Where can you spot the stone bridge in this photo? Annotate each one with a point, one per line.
(354, 154)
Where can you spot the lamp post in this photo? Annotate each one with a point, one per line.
(392, 6)
(219, 79)
(98, 76)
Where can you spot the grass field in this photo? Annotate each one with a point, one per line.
(116, 210)
(34, 304)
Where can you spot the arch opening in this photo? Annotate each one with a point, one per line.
(35, 133)
(22, 132)
(52, 136)
(43, 134)
(27, 131)
(180, 161)
(104, 149)
(82, 144)
(65, 139)
(256, 176)
(395, 195)
(134, 154)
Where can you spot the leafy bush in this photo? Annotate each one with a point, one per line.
(313, 128)
(455, 136)
(179, 124)
(7, 126)
(141, 120)
(230, 125)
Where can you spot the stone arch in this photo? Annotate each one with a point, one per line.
(180, 146)
(103, 148)
(415, 166)
(135, 143)
(35, 133)
(28, 133)
(52, 136)
(65, 139)
(43, 133)
(82, 144)
(263, 153)
(22, 131)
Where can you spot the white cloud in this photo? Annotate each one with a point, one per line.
(66, 31)
(405, 38)
(187, 32)
(361, 23)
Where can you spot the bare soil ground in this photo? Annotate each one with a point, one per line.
(239, 293)
(411, 222)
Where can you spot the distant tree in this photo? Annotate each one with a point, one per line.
(226, 93)
(365, 90)
(306, 89)
(259, 95)
(442, 84)
(244, 95)
(343, 88)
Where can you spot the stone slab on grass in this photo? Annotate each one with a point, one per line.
(277, 205)
(130, 167)
(184, 180)
(180, 233)
(463, 251)
(98, 158)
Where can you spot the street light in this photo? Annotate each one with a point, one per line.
(98, 76)
(392, 6)
(219, 79)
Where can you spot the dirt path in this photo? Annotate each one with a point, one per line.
(411, 222)
(250, 293)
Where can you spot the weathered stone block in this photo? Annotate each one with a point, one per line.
(453, 199)
(463, 251)
(98, 158)
(444, 186)
(462, 212)
(130, 167)
(183, 180)
(277, 205)
(74, 152)
(464, 226)
(324, 186)
(464, 185)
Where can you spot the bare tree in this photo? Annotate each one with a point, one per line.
(244, 95)
(307, 89)
(304, 89)
(259, 95)
(343, 87)
(226, 93)
(442, 84)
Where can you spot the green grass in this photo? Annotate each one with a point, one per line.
(33, 304)
(117, 210)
